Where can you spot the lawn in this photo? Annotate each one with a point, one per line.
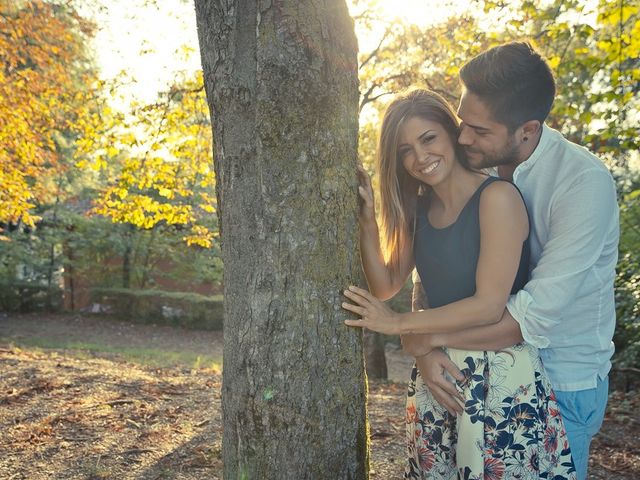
(88, 398)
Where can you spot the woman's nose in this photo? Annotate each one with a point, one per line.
(423, 155)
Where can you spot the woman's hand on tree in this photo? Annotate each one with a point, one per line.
(367, 204)
(375, 314)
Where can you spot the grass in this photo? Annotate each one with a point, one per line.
(152, 357)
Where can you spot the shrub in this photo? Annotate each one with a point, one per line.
(183, 309)
(28, 297)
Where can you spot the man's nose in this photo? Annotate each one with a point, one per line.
(465, 137)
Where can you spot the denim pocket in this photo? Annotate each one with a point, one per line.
(586, 404)
(585, 408)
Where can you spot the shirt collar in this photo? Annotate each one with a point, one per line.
(545, 138)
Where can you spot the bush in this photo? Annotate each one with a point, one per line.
(627, 334)
(181, 309)
(28, 297)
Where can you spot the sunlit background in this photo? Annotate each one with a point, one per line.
(108, 200)
(145, 44)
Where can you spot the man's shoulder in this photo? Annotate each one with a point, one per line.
(574, 157)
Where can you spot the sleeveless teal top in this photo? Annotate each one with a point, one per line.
(447, 258)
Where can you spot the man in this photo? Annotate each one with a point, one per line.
(567, 308)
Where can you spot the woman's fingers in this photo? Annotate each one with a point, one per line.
(447, 395)
(453, 370)
(452, 391)
(356, 297)
(358, 309)
(365, 179)
(445, 392)
(368, 201)
(362, 174)
(354, 308)
(361, 292)
(446, 400)
(354, 323)
(366, 192)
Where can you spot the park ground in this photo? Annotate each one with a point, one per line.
(92, 398)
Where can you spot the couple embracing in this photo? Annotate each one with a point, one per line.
(512, 234)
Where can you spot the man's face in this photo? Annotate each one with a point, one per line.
(486, 142)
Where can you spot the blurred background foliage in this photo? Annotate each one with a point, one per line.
(124, 198)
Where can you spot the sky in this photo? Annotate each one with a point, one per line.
(142, 39)
(146, 42)
(145, 38)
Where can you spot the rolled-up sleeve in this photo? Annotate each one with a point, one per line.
(580, 225)
(518, 306)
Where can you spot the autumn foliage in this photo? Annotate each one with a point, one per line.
(46, 102)
(165, 176)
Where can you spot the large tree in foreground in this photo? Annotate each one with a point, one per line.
(281, 82)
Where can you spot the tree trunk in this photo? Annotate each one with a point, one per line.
(52, 257)
(126, 256)
(282, 88)
(375, 359)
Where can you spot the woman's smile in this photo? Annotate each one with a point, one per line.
(429, 169)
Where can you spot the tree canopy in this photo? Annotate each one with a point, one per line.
(48, 105)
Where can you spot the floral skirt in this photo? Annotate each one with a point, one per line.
(511, 426)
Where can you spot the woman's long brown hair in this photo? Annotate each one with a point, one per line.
(399, 190)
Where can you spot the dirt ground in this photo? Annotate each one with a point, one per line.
(65, 415)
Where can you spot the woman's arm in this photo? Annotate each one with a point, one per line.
(494, 337)
(497, 336)
(382, 281)
(417, 345)
(503, 228)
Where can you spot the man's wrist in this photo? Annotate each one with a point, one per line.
(438, 340)
(402, 321)
(428, 351)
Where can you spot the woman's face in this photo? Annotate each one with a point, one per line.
(426, 151)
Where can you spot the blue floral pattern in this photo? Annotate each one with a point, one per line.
(511, 427)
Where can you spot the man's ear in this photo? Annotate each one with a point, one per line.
(530, 129)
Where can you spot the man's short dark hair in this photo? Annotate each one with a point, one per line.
(514, 81)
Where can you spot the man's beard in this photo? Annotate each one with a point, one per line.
(507, 156)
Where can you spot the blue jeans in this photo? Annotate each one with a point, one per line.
(582, 413)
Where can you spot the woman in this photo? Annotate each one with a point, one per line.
(467, 235)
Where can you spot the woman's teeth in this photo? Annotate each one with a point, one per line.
(430, 168)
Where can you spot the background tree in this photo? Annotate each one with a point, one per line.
(47, 104)
(51, 109)
(162, 185)
(164, 175)
(66, 153)
(281, 81)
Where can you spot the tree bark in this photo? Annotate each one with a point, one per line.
(282, 88)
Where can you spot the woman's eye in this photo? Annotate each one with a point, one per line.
(428, 139)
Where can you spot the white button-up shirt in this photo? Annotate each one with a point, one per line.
(567, 308)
